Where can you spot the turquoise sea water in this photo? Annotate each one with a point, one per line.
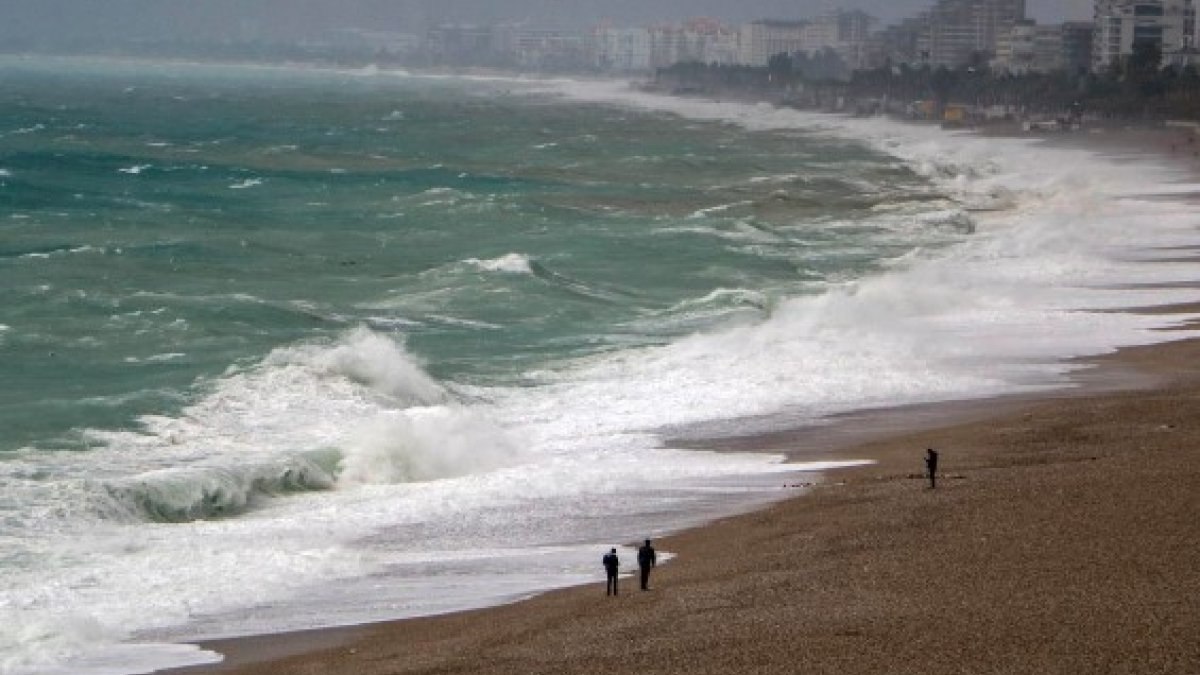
(284, 347)
(163, 224)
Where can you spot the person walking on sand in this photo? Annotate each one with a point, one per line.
(931, 458)
(611, 565)
(646, 561)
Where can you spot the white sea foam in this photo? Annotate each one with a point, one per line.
(428, 443)
(996, 314)
(702, 213)
(156, 358)
(246, 184)
(421, 472)
(511, 263)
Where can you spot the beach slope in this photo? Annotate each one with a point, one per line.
(1061, 539)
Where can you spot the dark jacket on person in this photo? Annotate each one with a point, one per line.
(646, 556)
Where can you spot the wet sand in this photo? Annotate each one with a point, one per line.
(1063, 537)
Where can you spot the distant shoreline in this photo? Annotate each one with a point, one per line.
(1049, 548)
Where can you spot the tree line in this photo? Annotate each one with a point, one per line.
(1136, 88)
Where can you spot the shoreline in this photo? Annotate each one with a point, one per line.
(868, 556)
(804, 542)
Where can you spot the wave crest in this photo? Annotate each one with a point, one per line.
(423, 444)
(369, 359)
(512, 263)
(180, 495)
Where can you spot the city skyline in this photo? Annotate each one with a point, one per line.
(66, 20)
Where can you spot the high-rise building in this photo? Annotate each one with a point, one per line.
(844, 31)
(1032, 47)
(1169, 25)
(622, 50)
(896, 44)
(959, 32)
(1077, 46)
(700, 40)
(760, 40)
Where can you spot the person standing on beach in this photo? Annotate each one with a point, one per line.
(611, 565)
(646, 561)
(931, 458)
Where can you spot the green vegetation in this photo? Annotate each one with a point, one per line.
(1135, 89)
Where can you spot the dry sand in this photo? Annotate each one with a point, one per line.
(1063, 537)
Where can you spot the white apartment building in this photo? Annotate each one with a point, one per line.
(708, 41)
(955, 32)
(622, 50)
(1169, 24)
(760, 40)
(642, 49)
(1029, 47)
(845, 32)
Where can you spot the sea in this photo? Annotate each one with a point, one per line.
(294, 347)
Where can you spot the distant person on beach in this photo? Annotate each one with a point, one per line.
(931, 458)
(611, 565)
(646, 561)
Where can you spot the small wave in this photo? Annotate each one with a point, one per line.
(512, 263)
(464, 323)
(391, 322)
(5, 173)
(726, 297)
(954, 219)
(705, 212)
(156, 358)
(248, 183)
(135, 169)
(717, 307)
(202, 493)
(43, 252)
(781, 178)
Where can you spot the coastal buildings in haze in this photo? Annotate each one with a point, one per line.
(845, 32)
(1029, 47)
(1168, 25)
(952, 34)
(958, 32)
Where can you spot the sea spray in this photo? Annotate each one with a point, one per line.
(422, 444)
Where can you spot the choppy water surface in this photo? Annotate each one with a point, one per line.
(286, 348)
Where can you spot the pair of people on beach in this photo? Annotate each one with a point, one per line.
(647, 559)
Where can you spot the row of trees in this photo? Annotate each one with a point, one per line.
(1137, 88)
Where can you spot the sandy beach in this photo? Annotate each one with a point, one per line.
(1062, 538)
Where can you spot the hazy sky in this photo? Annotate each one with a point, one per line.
(208, 18)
